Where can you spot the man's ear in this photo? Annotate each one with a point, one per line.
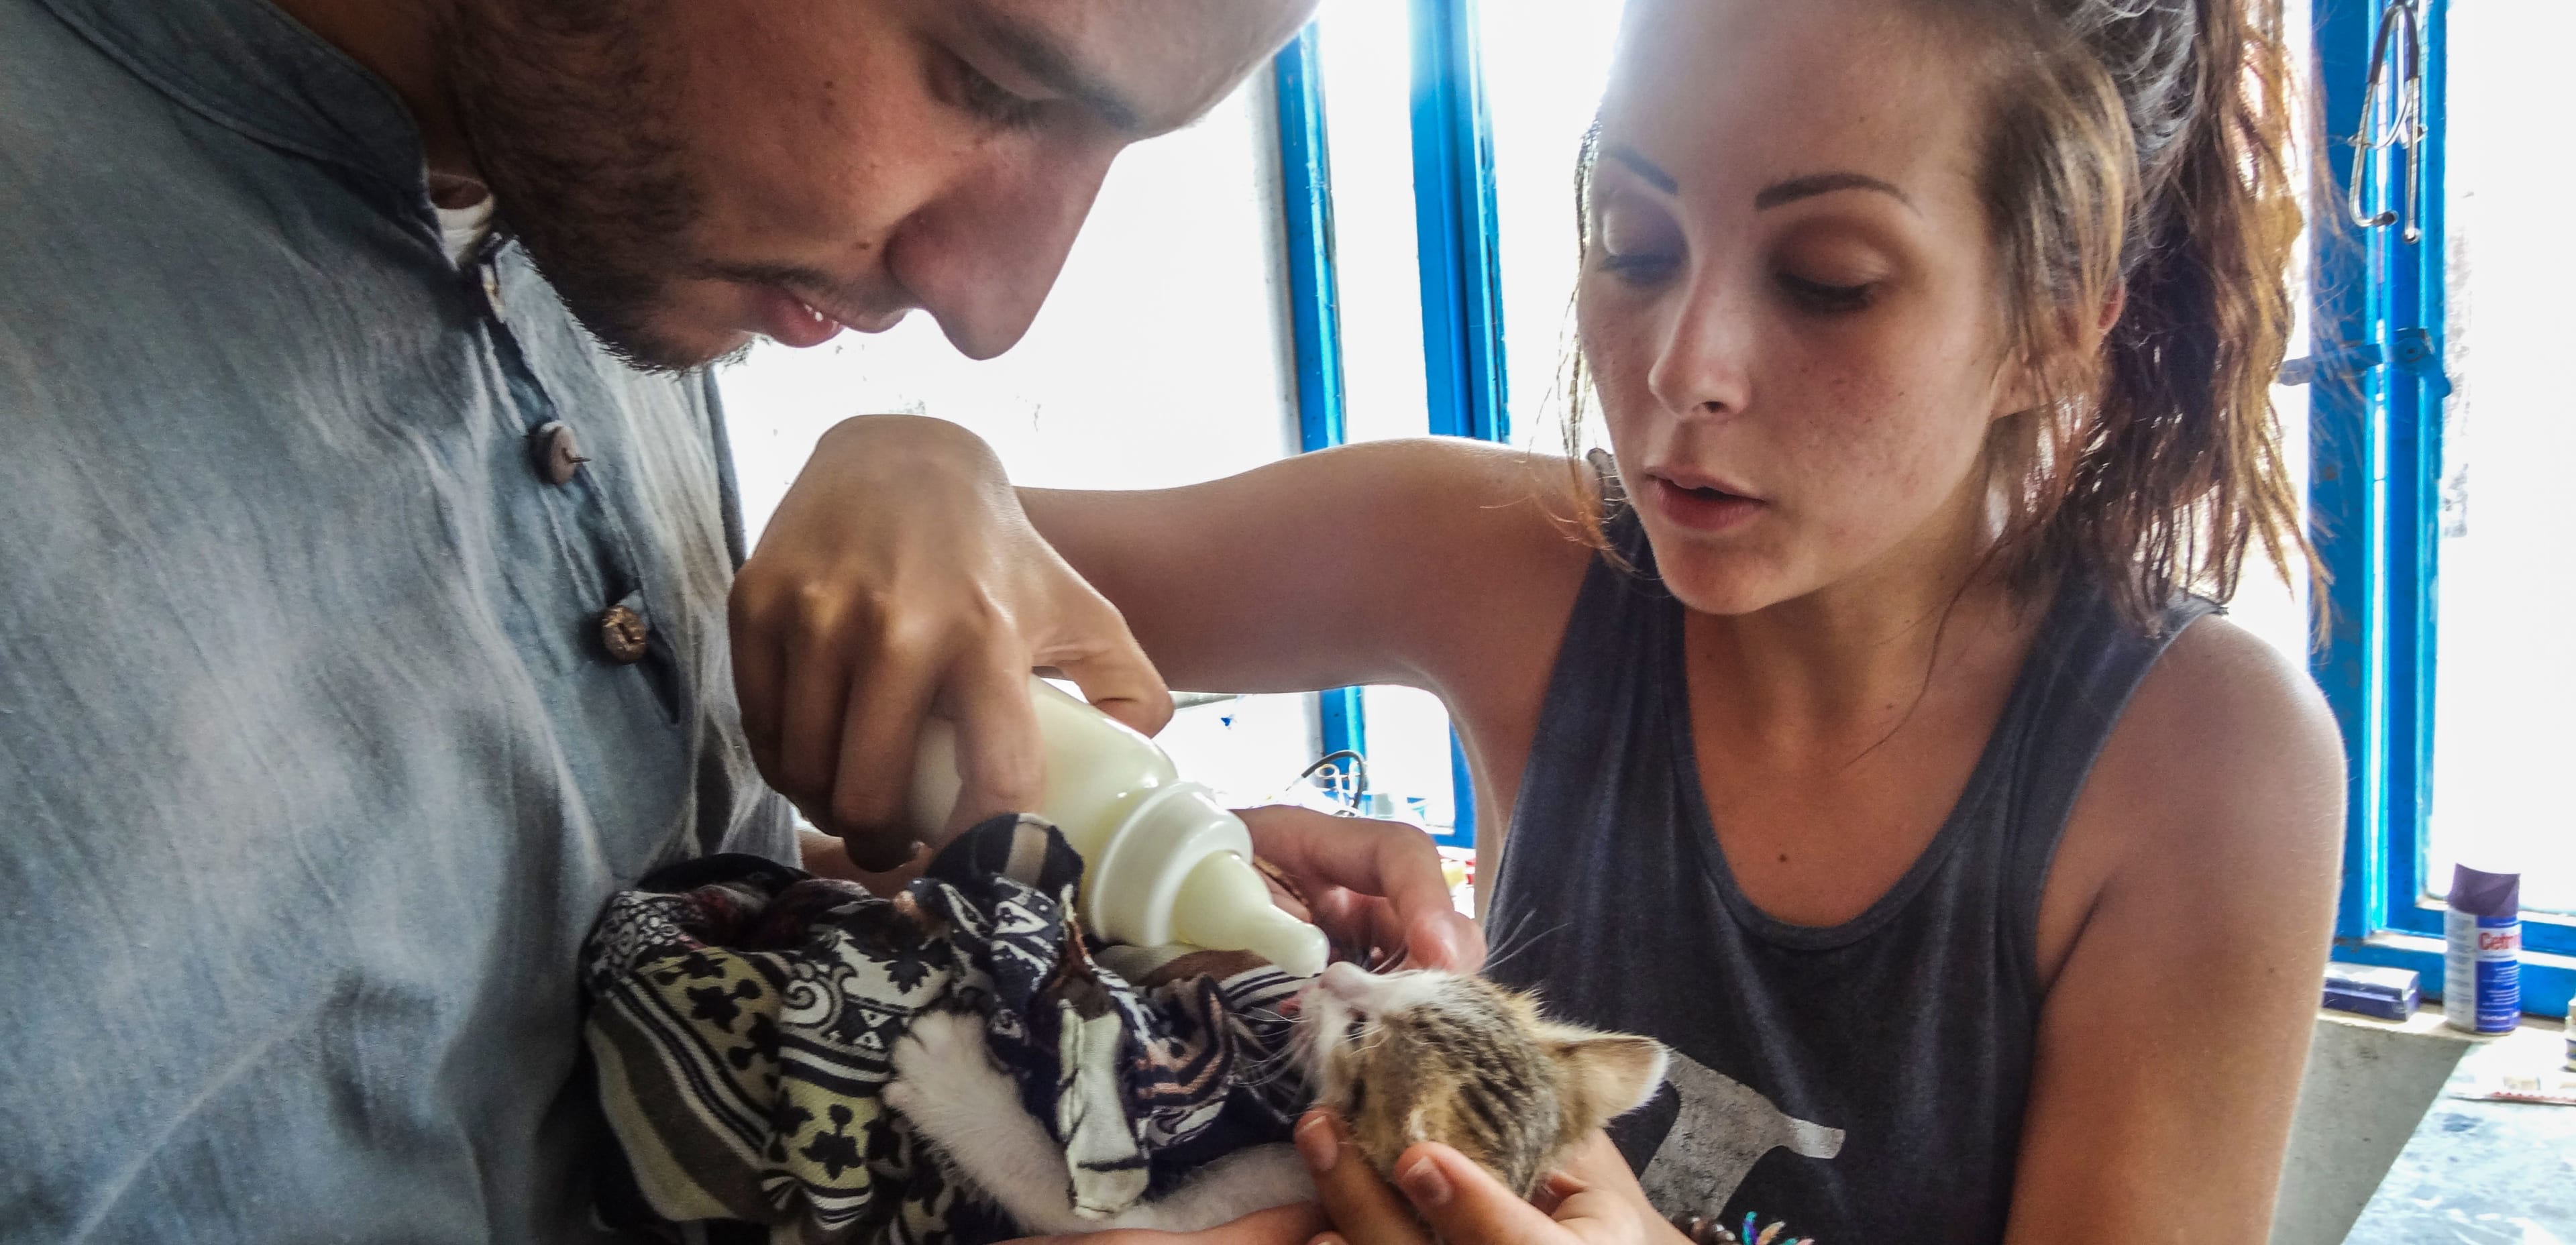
(1607, 1075)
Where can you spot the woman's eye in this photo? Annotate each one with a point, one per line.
(1639, 267)
(1824, 296)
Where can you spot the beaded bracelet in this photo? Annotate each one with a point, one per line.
(1706, 1230)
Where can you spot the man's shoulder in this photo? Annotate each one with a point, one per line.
(75, 120)
(130, 207)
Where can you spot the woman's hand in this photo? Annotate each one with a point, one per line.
(1375, 887)
(1593, 1201)
(900, 580)
(1293, 1224)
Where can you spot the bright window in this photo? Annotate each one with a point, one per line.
(2504, 674)
(1440, 180)
(2439, 427)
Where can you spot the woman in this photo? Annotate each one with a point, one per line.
(1871, 755)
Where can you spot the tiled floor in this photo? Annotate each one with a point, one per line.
(2483, 1173)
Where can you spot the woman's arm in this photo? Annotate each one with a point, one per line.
(1424, 562)
(2181, 1006)
(902, 578)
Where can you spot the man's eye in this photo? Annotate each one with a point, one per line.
(990, 102)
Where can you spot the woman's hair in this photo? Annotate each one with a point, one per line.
(2134, 149)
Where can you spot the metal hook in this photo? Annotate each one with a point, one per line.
(2406, 116)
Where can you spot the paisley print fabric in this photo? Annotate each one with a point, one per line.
(742, 1014)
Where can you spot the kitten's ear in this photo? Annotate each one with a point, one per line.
(1609, 1074)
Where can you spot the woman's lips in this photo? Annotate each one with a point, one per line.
(1700, 509)
(791, 321)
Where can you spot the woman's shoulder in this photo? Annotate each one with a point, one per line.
(2221, 782)
(2223, 704)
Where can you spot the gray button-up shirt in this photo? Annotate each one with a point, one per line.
(315, 762)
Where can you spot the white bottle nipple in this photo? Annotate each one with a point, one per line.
(1163, 860)
(1225, 903)
(1180, 870)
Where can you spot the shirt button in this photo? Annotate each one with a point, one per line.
(556, 452)
(622, 634)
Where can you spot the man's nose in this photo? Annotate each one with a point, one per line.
(982, 259)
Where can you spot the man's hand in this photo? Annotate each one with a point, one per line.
(1446, 1198)
(1373, 886)
(899, 580)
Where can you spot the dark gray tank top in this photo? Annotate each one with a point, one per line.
(1861, 1084)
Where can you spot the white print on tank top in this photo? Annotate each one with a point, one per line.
(1723, 1129)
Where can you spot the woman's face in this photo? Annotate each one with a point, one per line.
(1789, 303)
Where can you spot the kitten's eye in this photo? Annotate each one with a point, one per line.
(1351, 1033)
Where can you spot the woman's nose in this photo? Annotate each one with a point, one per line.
(1701, 365)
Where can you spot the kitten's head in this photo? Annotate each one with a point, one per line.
(1433, 1056)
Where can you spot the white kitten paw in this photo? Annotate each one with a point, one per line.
(944, 1074)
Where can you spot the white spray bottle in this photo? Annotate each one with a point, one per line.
(1163, 861)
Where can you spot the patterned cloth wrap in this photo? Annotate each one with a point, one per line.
(742, 1014)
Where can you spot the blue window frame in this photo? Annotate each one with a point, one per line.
(1314, 298)
(2376, 431)
(1457, 245)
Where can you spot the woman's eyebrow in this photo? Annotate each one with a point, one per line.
(1814, 184)
(1645, 168)
(1773, 195)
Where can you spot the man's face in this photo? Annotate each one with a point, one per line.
(689, 173)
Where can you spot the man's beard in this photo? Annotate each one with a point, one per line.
(570, 122)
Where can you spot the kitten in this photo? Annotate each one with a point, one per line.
(1403, 1057)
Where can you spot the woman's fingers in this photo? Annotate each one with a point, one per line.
(1594, 1196)
(759, 672)
(1363, 1209)
(897, 579)
(811, 718)
(1001, 761)
(884, 705)
(1595, 1162)
(1101, 656)
(1439, 1196)
(1372, 859)
(1465, 1205)
(1293, 1224)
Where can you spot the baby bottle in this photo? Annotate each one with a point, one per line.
(1163, 861)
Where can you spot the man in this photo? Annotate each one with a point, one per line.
(370, 526)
